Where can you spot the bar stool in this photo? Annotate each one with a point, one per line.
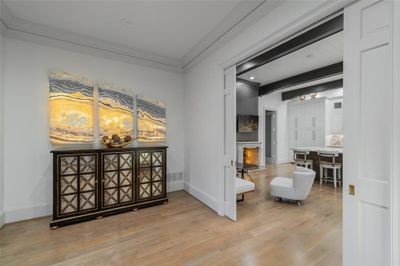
(327, 160)
(300, 158)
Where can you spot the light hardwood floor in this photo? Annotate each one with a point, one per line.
(185, 232)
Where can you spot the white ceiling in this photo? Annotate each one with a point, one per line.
(167, 28)
(323, 53)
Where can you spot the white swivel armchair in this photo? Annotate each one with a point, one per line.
(295, 188)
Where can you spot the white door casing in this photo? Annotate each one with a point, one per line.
(230, 142)
(369, 133)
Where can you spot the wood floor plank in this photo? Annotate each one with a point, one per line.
(185, 232)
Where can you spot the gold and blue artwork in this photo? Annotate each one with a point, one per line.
(151, 115)
(115, 111)
(71, 108)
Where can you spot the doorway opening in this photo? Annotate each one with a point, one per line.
(264, 98)
(270, 137)
(369, 211)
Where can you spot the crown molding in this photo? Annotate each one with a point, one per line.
(261, 10)
(14, 27)
(240, 18)
(220, 34)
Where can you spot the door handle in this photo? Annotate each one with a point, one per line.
(232, 162)
(352, 190)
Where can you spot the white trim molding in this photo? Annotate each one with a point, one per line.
(2, 219)
(28, 213)
(17, 28)
(175, 186)
(202, 196)
(240, 18)
(395, 197)
(17, 215)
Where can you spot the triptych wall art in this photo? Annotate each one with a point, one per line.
(71, 108)
(115, 111)
(75, 109)
(151, 119)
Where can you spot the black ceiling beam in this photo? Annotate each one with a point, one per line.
(331, 85)
(316, 74)
(313, 35)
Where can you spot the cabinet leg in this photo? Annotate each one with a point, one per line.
(53, 227)
(99, 217)
(135, 209)
(165, 202)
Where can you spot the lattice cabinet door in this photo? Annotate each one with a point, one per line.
(151, 175)
(76, 184)
(118, 184)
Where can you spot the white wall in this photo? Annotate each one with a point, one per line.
(273, 102)
(2, 216)
(203, 87)
(28, 168)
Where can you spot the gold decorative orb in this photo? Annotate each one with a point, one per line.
(105, 140)
(116, 138)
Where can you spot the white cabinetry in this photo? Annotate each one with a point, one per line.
(336, 116)
(307, 123)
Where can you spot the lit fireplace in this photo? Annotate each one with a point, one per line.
(251, 156)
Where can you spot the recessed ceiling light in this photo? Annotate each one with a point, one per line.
(309, 55)
(252, 78)
(125, 21)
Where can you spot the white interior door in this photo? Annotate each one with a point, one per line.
(368, 133)
(230, 142)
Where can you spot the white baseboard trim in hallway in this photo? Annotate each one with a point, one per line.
(2, 219)
(28, 213)
(45, 210)
(175, 186)
(202, 196)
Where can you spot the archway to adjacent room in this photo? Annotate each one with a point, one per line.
(368, 188)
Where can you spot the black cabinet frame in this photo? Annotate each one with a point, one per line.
(100, 210)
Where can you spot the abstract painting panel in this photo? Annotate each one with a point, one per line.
(71, 108)
(115, 111)
(151, 119)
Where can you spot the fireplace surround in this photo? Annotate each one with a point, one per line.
(248, 152)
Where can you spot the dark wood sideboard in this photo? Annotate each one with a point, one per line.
(92, 183)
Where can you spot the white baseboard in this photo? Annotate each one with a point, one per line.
(45, 210)
(175, 186)
(28, 213)
(2, 219)
(202, 196)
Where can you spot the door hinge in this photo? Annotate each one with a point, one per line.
(352, 190)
